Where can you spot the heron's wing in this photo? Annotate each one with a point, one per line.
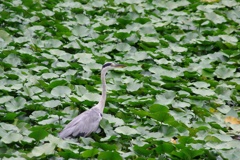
(82, 125)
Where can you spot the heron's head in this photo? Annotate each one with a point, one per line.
(110, 65)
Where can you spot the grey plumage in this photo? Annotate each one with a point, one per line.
(88, 121)
(83, 125)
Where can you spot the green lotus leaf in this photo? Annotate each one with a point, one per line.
(5, 38)
(49, 75)
(44, 149)
(82, 19)
(112, 119)
(60, 65)
(230, 153)
(176, 48)
(158, 108)
(104, 146)
(142, 150)
(202, 92)
(223, 72)
(38, 133)
(229, 39)
(15, 104)
(37, 114)
(13, 59)
(52, 103)
(5, 99)
(11, 137)
(166, 97)
(52, 43)
(122, 34)
(179, 104)
(201, 84)
(51, 120)
(107, 48)
(224, 92)
(90, 153)
(152, 41)
(56, 83)
(123, 47)
(61, 91)
(47, 12)
(215, 18)
(84, 58)
(125, 130)
(80, 31)
(9, 127)
(165, 148)
(109, 155)
(89, 96)
(134, 86)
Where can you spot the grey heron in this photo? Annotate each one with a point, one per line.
(88, 121)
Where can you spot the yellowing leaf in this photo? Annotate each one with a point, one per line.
(212, 110)
(232, 120)
(174, 140)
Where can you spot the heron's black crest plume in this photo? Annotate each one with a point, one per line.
(107, 64)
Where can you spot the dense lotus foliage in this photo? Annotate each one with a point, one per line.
(182, 78)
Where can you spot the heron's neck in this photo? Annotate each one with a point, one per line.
(102, 101)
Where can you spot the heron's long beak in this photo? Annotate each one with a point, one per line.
(119, 65)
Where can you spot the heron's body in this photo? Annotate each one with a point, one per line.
(88, 121)
(83, 125)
